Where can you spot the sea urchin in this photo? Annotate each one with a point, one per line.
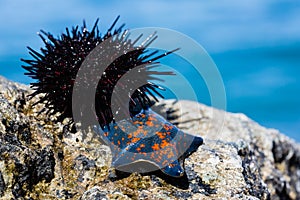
(56, 66)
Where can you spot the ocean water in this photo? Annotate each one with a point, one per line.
(263, 83)
(254, 44)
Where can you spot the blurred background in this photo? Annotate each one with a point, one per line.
(255, 44)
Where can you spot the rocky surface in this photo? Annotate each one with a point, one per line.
(239, 160)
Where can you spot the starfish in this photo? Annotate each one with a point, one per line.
(147, 142)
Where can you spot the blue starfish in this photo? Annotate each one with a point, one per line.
(148, 142)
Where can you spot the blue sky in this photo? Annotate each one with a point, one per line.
(254, 43)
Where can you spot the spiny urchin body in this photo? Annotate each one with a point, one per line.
(55, 69)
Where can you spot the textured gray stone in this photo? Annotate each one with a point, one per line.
(269, 160)
(240, 159)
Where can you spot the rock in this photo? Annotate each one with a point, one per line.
(270, 160)
(40, 159)
(94, 194)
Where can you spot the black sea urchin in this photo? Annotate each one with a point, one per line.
(56, 66)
